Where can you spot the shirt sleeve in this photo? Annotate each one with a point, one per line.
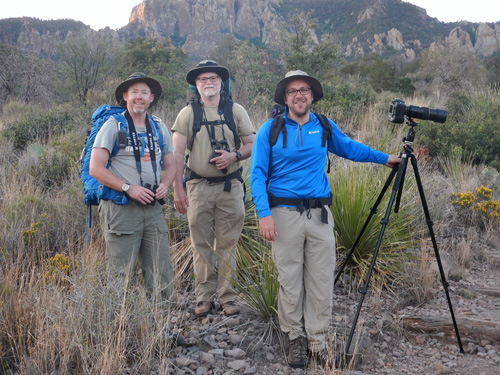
(345, 147)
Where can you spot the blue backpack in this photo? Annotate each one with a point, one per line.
(93, 190)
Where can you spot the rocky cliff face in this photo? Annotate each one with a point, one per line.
(203, 23)
(199, 25)
(30, 35)
(487, 39)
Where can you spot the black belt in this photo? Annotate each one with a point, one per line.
(190, 175)
(303, 204)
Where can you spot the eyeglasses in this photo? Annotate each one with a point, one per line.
(205, 79)
(303, 90)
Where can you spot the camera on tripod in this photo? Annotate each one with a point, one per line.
(398, 110)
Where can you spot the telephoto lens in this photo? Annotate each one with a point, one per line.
(398, 110)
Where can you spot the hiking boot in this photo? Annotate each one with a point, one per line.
(203, 308)
(297, 355)
(230, 308)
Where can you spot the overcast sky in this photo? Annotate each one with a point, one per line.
(113, 13)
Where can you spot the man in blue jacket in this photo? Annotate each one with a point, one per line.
(291, 193)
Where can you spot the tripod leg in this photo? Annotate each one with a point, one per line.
(434, 245)
(373, 211)
(396, 187)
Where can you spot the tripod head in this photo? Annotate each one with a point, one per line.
(410, 136)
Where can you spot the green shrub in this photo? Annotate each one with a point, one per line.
(55, 164)
(344, 100)
(472, 125)
(52, 169)
(38, 125)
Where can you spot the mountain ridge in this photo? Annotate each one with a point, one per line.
(385, 27)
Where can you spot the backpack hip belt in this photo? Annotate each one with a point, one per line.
(190, 175)
(303, 204)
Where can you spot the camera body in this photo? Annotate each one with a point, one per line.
(398, 110)
(153, 189)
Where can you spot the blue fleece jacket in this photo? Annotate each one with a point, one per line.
(298, 171)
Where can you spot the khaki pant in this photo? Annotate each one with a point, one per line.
(304, 254)
(215, 221)
(136, 231)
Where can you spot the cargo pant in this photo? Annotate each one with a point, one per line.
(136, 231)
(304, 254)
(215, 220)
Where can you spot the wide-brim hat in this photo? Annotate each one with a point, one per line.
(317, 89)
(207, 66)
(153, 84)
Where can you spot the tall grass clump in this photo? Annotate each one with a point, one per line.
(65, 320)
(257, 278)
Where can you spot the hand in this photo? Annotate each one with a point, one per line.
(141, 194)
(181, 202)
(161, 191)
(392, 161)
(267, 228)
(224, 160)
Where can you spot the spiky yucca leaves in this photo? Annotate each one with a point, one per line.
(257, 278)
(355, 188)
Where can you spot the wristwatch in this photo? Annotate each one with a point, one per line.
(238, 155)
(125, 187)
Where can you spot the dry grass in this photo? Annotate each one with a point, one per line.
(421, 277)
(74, 323)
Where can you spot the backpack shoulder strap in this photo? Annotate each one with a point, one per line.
(122, 126)
(277, 126)
(226, 108)
(327, 135)
(197, 114)
(156, 128)
(327, 129)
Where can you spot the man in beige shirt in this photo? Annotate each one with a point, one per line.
(213, 199)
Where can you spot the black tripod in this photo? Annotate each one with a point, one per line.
(399, 171)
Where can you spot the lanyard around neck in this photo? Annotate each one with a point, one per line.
(136, 147)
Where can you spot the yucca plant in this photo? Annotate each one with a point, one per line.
(257, 278)
(355, 189)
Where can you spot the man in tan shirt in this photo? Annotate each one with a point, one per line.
(213, 199)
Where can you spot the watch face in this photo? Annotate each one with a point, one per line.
(125, 187)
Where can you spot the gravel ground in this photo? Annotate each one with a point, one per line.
(219, 345)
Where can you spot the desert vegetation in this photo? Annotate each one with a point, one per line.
(56, 313)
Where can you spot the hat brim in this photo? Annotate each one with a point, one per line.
(317, 89)
(195, 72)
(153, 84)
